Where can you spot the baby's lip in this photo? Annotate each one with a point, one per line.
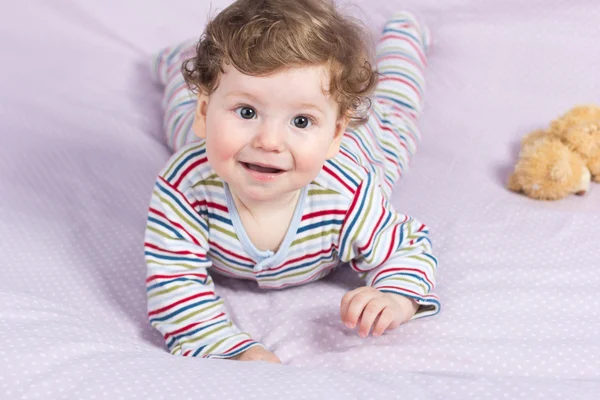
(264, 165)
(581, 193)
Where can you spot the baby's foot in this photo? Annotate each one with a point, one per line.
(418, 29)
(169, 59)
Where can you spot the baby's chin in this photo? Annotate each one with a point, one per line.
(266, 195)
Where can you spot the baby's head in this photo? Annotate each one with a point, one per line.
(278, 82)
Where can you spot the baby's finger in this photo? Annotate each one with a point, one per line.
(357, 305)
(369, 314)
(345, 304)
(386, 317)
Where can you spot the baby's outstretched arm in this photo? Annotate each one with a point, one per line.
(182, 303)
(393, 254)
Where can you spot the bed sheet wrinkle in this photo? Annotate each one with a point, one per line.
(81, 144)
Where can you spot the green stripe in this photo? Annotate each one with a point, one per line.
(176, 162)
(176, 210)
(169, 290)
(333, 231)
(358, 228)
(316, 192)
(209, 182)
(294, 274)
(199, 311)
(228, 265)
(224, 231)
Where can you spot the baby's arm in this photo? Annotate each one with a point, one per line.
(182, 303)
(393, 254)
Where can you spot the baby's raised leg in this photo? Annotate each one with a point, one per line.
(178, 101)
(401, 60)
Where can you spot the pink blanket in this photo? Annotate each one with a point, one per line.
(80, 145)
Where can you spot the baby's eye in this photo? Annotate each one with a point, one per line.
(246, 112)
(302, 122)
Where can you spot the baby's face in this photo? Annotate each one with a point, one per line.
(269, 136)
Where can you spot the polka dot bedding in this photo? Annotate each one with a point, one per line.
(81, 144)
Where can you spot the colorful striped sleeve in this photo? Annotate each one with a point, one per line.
(391, 251)
(182, 303)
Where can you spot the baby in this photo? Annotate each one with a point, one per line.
(283, 170)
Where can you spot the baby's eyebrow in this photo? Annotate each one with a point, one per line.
(245, 95)
(312, 107)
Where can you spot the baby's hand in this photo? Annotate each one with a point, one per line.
(257, 353)
(370, 307)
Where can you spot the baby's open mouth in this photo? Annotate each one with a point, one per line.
(260, 168)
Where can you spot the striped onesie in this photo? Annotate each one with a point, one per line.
(342, 216)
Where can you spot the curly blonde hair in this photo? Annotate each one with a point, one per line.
(258, 37)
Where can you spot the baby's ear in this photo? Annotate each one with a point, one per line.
(199, 124)
(338, 135)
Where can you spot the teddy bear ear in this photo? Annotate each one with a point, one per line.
(561, 171)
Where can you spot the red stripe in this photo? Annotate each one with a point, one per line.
(294, 260)
(209, 204)
(419, 272)
(351, 210)
(309, 279)
(409, 41)
(404, 81)
(168, 307)
(322, 213)
(399, 289)
(185, 328)
(360, 148)
(176, 92)
(330, 172)
(352, 159)
(153, 246)
(175, 224)
(237, 345)
(224, 250)
(180, 124)
(188, 169)
(375, 230)
(153, 277)
(398, 57)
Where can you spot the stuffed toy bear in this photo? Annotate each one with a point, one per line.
(561, 160)
(580, 130)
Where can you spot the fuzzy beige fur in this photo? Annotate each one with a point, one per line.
(562, 160)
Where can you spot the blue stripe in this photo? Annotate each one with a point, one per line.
(164, 225)
(387, 29)
(402, 103)
(306, 264)
(219, 218)
(233, 261)
(157, 285)
(191, 333)
(182, 309)
(182, 207)
(320, 224)
(335, 165)
(183, 162)
(411, 296)
(410, 274)
(174, 258)
(358, 213)
(368, 253)
(232, 354)
(405, 75)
